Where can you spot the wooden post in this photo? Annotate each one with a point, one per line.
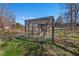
(52, 18)
(25, 27)
(46, 29)
(28, 30)
(32, 31)
(38, 29)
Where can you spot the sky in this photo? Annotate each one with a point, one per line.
(25, 11)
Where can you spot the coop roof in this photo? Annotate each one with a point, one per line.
(42, 20)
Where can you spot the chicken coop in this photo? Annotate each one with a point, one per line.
(40, 27)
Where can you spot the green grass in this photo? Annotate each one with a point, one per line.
(11, 49)
(13, 52)
(22, 47)
(19, 48)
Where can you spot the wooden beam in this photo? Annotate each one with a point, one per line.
(28, 30)
(52, 18)
(32, 31)
(25, 27)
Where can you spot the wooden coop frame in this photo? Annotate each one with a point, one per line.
(42, 25)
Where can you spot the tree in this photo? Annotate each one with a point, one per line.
(7, 19)
(19, 27)
(59, 21)
(71, 14)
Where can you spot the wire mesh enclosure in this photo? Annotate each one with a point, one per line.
(40, 28)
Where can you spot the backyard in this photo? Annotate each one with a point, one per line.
(28, 30)
(19, 45)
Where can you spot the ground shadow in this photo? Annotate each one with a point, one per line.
(59, 46)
